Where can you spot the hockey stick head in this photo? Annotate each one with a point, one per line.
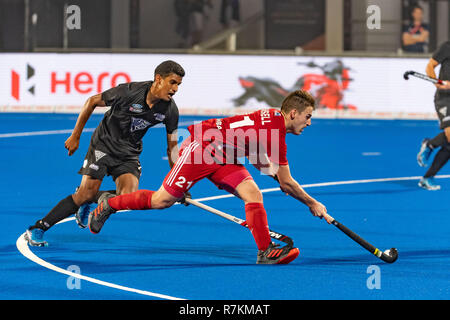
(406, 74)
(389, 256)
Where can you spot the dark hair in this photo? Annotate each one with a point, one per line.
(299, 100)
(414, 7)
(167, 67)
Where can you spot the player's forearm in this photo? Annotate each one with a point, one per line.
(430, 70)
(172, 155)
(83, 117)
(408, 39)
(424, 36)
(172, 149)
(294, 189)
(290, 186)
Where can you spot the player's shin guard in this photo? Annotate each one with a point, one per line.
(62, 210)
(257, 222)
(138, 200)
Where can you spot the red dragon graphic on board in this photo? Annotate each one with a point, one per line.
(328, 87)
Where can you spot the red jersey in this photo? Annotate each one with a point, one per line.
(260, 132)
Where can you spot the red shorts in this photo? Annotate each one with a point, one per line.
(191, 167)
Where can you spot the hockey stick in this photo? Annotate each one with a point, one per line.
(423, 77)
(387, 256)
(273, 234)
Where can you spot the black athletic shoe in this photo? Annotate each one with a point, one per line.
(98, 217)
(276, 255)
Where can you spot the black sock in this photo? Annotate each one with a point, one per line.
(98, 195)
(439, 161)
(438, 141)
(62, 210)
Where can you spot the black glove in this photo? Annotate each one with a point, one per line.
(183, 200)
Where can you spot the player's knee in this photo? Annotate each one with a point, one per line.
(252, 195)
(160, 200)
(125, 191)
(249, 192)
(162, 203)
(256, 196)
(85, 194)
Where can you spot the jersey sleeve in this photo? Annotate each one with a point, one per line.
(442, 53)
(115, 95)
(277, 150)
(171, 120)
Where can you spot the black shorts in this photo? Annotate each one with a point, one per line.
(97, 164)
(442, 105)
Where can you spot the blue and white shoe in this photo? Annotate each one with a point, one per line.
(35, 237)
(82, 215)
(429, 184)
(424, 153)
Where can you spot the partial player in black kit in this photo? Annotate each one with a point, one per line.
(117, 142)
(442, 104)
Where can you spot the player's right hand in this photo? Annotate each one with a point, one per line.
(183, 200)
(444, 86)
(72, 144)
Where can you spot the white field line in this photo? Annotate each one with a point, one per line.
(23, 248)
(327, 184)
(67, 131)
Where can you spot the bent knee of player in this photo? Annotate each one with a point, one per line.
(126, 190)
(87, 190)
(126, 183)
(162, 203)
(85, 194)
(249, 192)
(161, 199)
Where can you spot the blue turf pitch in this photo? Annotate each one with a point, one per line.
(187, 253)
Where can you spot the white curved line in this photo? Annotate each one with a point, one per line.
(23, 248)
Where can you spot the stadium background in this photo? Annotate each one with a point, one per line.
(369, 126)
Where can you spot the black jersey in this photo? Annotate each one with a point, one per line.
(412, 29)
(123, 126)
(442, 55)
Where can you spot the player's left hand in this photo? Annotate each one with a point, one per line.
(183, 200)
(72, 144)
